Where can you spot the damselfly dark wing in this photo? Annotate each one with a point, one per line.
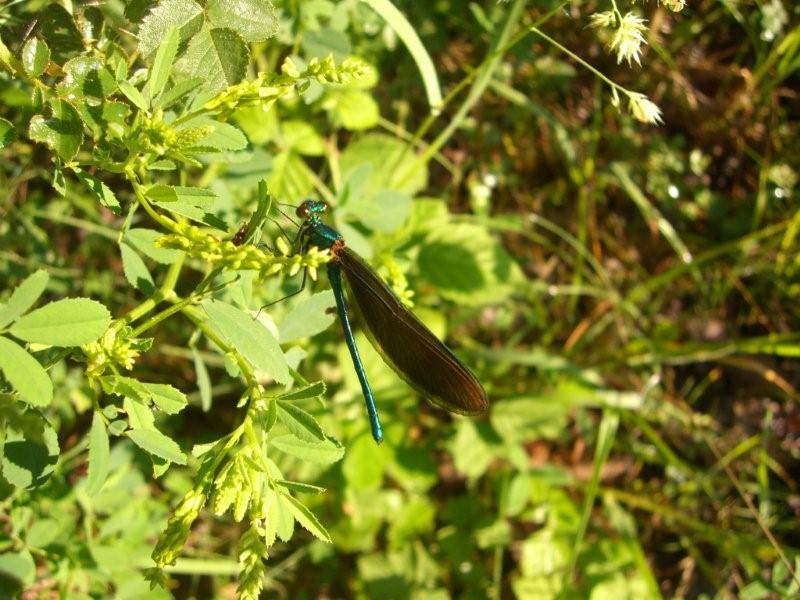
(407, 345)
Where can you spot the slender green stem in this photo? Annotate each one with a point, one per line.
(165, 222)
(579, 60)
(475, 93)
(472, 74)
(165, 292)
(163, 315)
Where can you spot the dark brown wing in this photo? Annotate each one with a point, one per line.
(407, 345)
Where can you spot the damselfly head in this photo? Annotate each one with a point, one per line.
(311, 207)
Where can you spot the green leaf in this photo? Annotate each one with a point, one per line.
(157, 444)
(190, 202)
(290, 179)
(7, 133)
(57, 26)
(87, 77)
(224, 136)
(325, 41)
(254, 20)
(177, 91)
(308, 318)
(24, 296)
(270, 416)
(521, 420)
(135, 270)
(250, 338)
(467, 265)
(413, 468)
(364, 464)
(162, 63)
(394, 164)
(167, 398)
(139, 414)
(98, 455)
(164, 164)
(302, 138)
(29, 453)
(185, 15)
(106, 119)
(134, 95)
(190, 195)
(17, 571)
(355, 110)
(25, 374)
(281, 515)
(144, 241)
(408, 34)
(101, 191)
(35, 56)
(203, 380)
(69, 322)
(518, 495)
(322, 453)
(118, 427)
(306, 518)
(62, 132)
(219, 55)
(299, 423)
(124, 386)
(414, 518)
(315, 390)
(472, 448)
(43, 532)
(59, 182)
(385, 212)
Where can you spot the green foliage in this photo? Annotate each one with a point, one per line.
(625, 294)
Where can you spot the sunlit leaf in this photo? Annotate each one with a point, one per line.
(62, 132)
(24, 296)
(25, 374)
(29, 455)
(324, 453)
(135, 270)
(158, 444)
(249, 337)
(218, 55)
(184, 15)
(308, 318)
(163, 61)
(69, 322)
(35, 56)
(98, 455)
(254, 20)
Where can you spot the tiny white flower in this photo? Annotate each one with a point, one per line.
(628, 38)
(643, 109)
(603, 19)
(615, 98)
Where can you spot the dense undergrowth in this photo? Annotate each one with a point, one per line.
(595, 204)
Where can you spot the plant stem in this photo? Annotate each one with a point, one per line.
(165, 292)
(579, 60)
(475, 93)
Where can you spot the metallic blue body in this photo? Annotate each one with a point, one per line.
(316, 233)
(335, 277)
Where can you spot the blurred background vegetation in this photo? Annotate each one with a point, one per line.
(626, 292)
